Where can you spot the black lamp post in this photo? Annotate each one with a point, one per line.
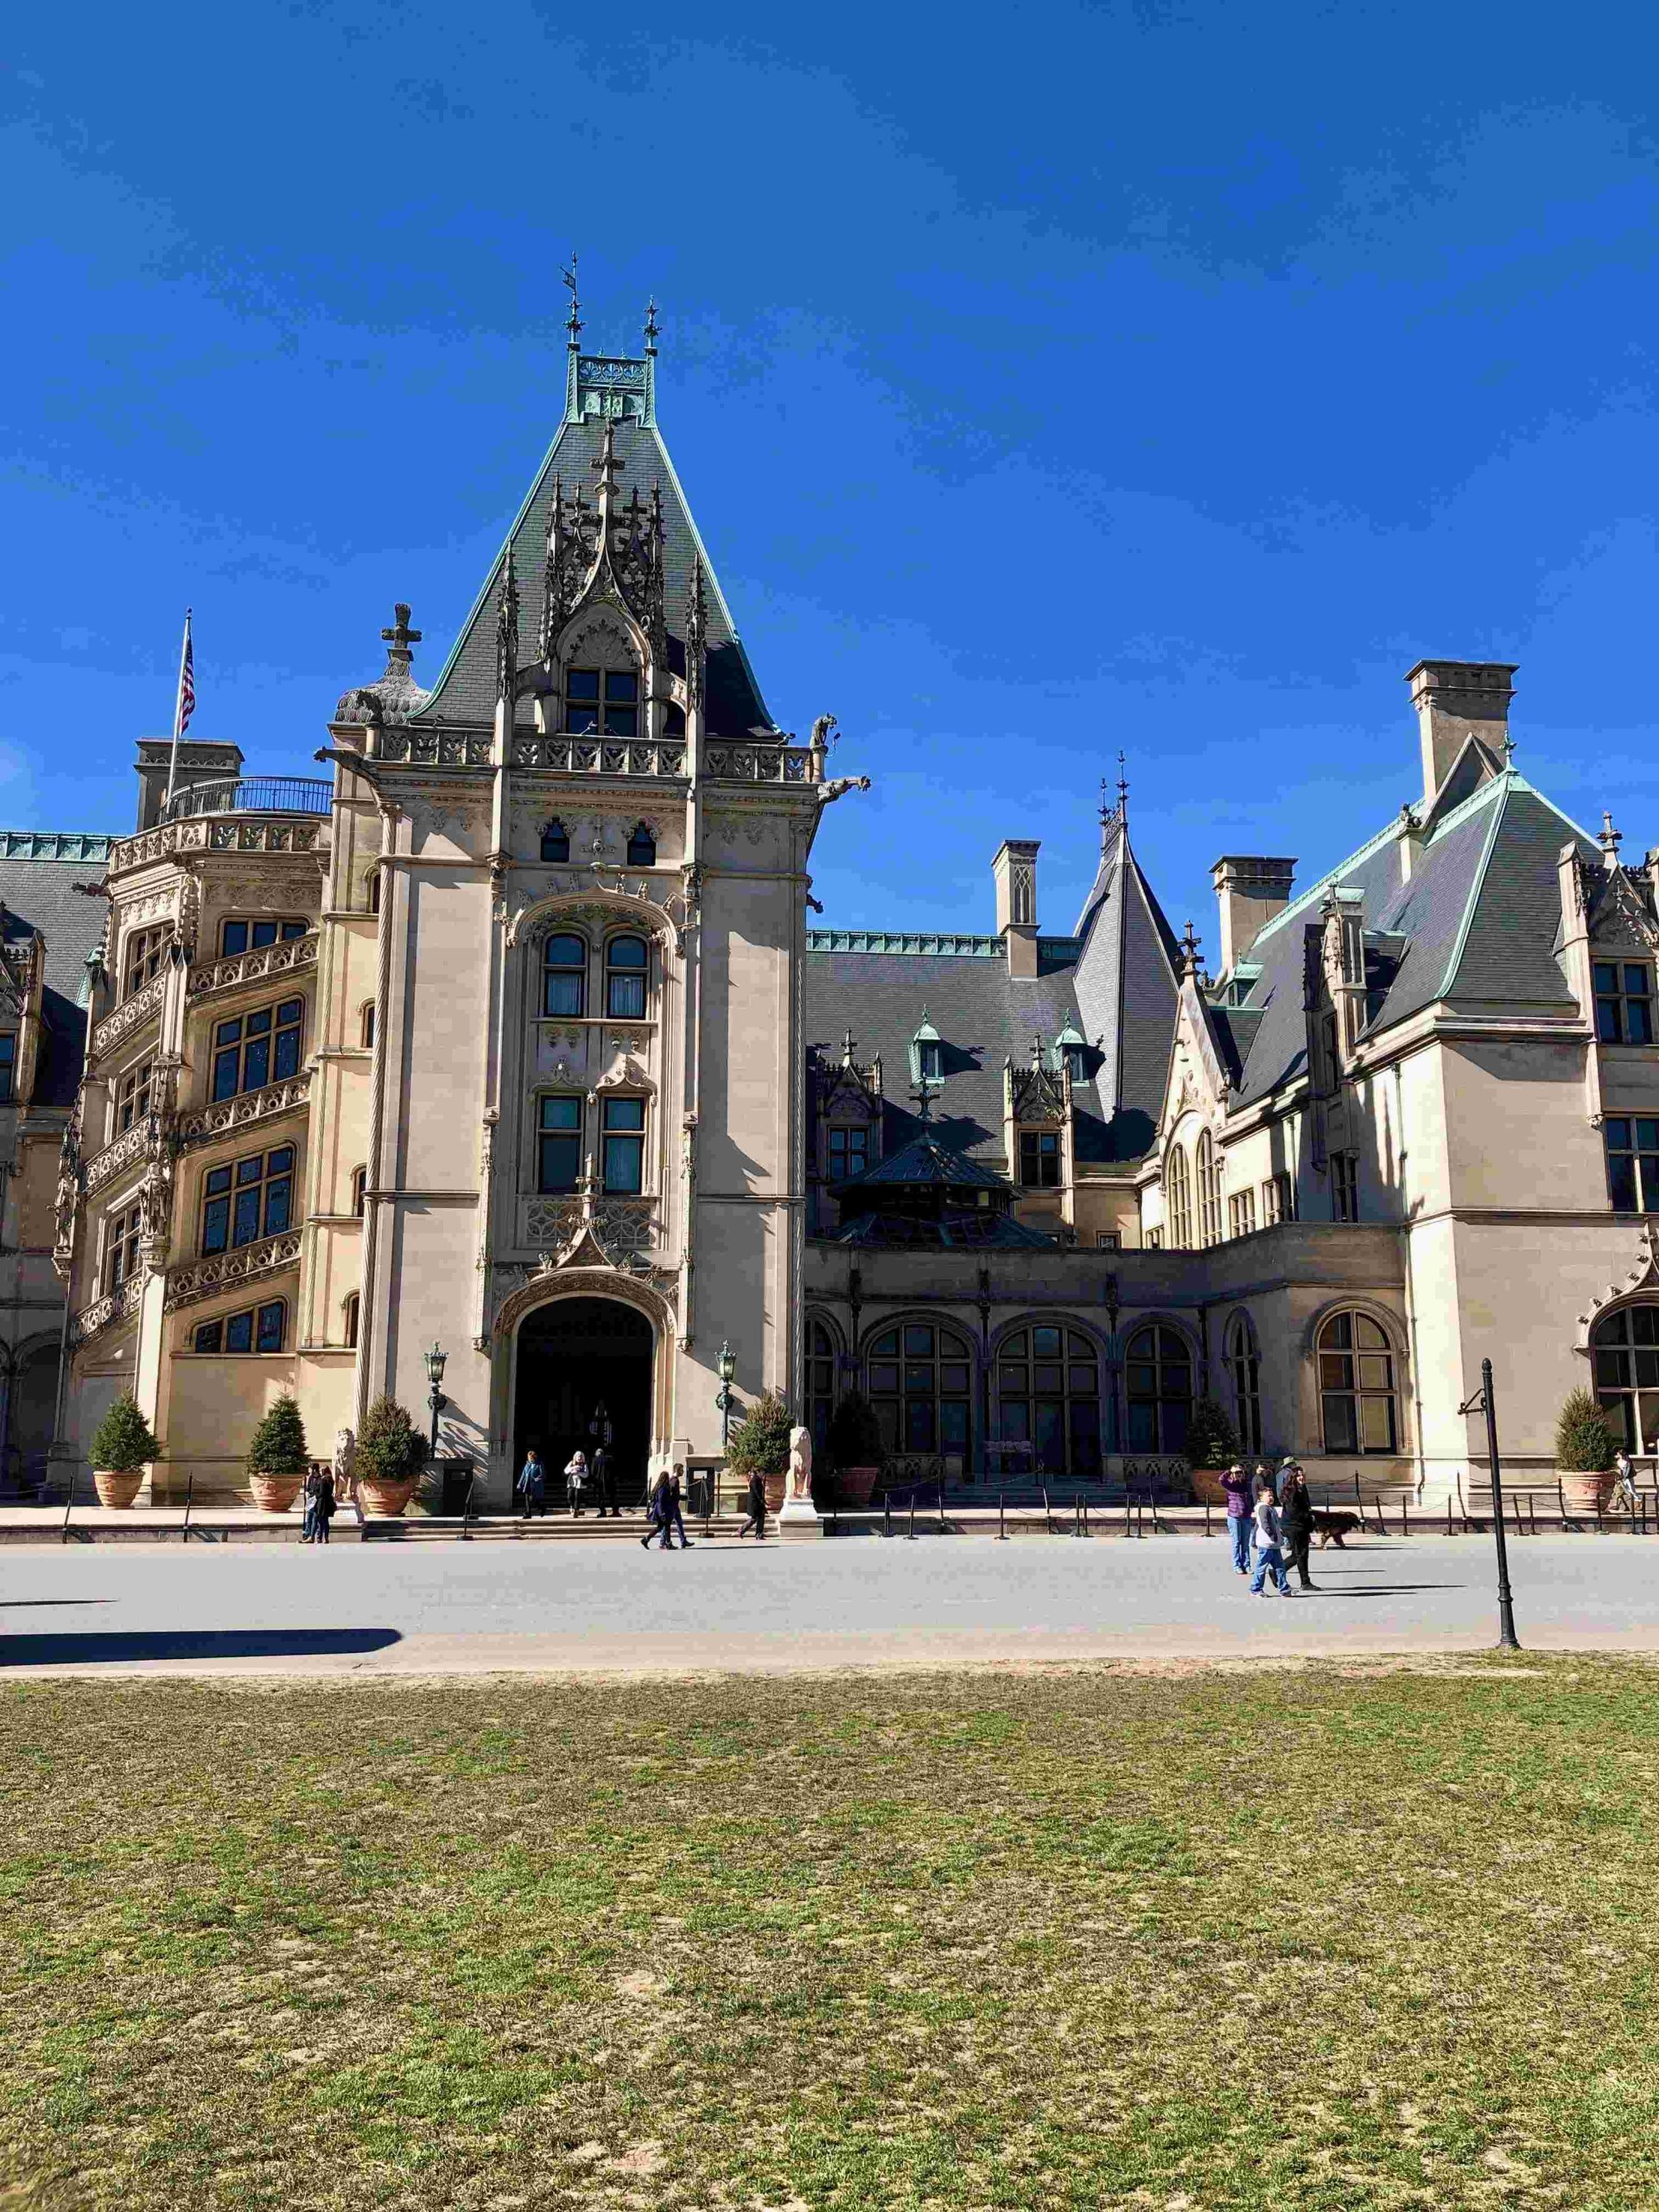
(725, 1367)
(435, 1361)
(1482, 1402)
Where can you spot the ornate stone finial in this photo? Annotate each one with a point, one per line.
(1122, 792)
(1610, 841)
(846, 1049)
(400, 638)
(1037, 1051)
(506, 633)
(650, 326)
(697, 636)
(1189, 952)
(604, 469)
(573, 320)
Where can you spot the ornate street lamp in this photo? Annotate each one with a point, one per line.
(726, 1368)
(436, 1361)
(1482, 1403)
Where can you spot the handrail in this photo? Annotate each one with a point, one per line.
(252, 795)
(189, 1498)
(63, 1534)
(466, 1509)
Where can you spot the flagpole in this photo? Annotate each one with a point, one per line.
(178, 711)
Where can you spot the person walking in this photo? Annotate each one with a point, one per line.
(1236, 1483)
(532, 1484)
(309, 1526)
(324, 1508)
(605, 1483)
(1624, 1480)
(1296, 1524)
(575, 1481)
(659, 1514)
(1269, 1560)
(755, 1498)
(676, 1504)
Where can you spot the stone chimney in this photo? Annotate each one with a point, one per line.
(201, 761)
(1250, 891)
(1014, 872)
(1457, 700)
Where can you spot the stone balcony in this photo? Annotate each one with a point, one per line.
(284, 959)
(205, 1278)
(242, 814)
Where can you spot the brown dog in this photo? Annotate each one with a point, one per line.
(1332, 1527)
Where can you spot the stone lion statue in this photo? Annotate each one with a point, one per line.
(800, 1463)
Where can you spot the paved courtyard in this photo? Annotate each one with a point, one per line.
(436, 1608)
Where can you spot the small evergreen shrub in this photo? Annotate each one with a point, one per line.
(1584, 1442)
(1211, 1439)
(855, 1437)
(389, 1448)
(760, 1443)
(279, 1446)
(124, 1442)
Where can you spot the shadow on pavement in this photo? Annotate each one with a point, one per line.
(31, 1605)
(115, 1645)
(1384, 1589)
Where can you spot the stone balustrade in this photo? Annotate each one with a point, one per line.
(209, 833)
(206, 1278)
(430, 748)
(225, 1115)
(280, 959)
(133, 1144)
(762, 764)
(600, 756)
(143, 1006)
(622, 1225)
(104, 1312)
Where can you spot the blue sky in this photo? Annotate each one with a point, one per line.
(1045, 381)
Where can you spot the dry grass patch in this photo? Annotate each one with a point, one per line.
(1299, 1938)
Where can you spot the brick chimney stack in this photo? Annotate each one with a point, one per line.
(1250, 891)
(1014, 872)
(1457, 700)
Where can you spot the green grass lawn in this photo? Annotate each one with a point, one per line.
(1288, 1938)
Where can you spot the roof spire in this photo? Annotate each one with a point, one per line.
(604, 469)
(507, 634)
(1189, 952)
(650, 326)
(573, 320)
(1123, 790)
(697, 636)
(848, 1049)
(1610, 841)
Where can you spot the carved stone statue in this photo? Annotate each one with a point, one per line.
(800, 1463)
(838, 787)
(344, 1462)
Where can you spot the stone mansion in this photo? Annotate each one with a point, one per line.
(502, 1025)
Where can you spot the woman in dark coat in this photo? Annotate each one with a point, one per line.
(1296, 1519)
(322, 1506)
(755, 1499)
(659, 1513)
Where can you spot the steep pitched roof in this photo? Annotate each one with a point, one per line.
(925, 1162)
(38, 873)
(1127, 986)
(465, 689)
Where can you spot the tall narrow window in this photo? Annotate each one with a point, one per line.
(1244, 1370)
(556, 843)
(353, 1320)
(366, 1025)
(1039, 1159)
(559, 1154)
(848, 1152)
(1208, 1192)
(143, 957)
(601, 701)
(252, 1199)
(1344, 1186)
(1278, 1200)
(1158, 1379)
(121, 1246)
(820, 1383)
(1633, 1142)
(564, 975)
(1624, 1002)
(1356, 1385)
(374, 891)
(642, 847)
(1178, 1200)
(132, 1097)
(1241, 1207)
(624, 978)
(625, 1145)
(1048, 1397)
(7, 1066)
(359, 1191)
(255, 1049)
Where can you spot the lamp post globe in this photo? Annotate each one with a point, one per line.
(435, 1362)
(726, 1368)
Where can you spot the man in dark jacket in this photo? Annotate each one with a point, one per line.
(323, 1508)
(1296, 1519)
(1236, 1483)
(755, 1500)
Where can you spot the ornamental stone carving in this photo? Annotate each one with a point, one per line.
(280, 959)
(143, 1006)
(186, 1286)
(248, 1106)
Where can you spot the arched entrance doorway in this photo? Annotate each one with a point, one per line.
(577, 1355)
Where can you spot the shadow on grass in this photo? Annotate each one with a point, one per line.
(114, 1646)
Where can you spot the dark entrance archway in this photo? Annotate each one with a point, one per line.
(576, 1355)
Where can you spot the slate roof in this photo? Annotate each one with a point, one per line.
(926, 1163)
(465, 689)
(1476, 923)
(980, 1231)
(37, 873)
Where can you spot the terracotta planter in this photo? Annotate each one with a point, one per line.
(1585, 1493)
(117, 1488)
(275, 1493)
(856, 1485)
(385, 1500)
(1206, 1485)
(776, 1485)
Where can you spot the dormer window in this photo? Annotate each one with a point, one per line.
(1624, 1002)
(556, 843)
(1071, 1049)
(642, 847)
(601, 701)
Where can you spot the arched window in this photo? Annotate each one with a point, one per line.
(1048, 1395)
(820, 1383)
(921, 1385)
(642, 847)
(1208, 1201)
(1243, 1359)
(556, 843)
(1626, 1349)
(1178, 1200)
(353, 1319)
(359, 1184)
(1356, 1386)
(626, 961)
(564, 975)
(374, 891)
(368, 1026)
(1158, 1379)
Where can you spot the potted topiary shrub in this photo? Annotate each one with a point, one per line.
(760, 1444)
(1584, 1453)
(855, 1449)
(121, 1449)
(1211, 1446)
(277, 1457)
(391, 1451)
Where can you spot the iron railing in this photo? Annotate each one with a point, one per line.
(253, 795)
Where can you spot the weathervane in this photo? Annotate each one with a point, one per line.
(573, 320)
(650, 326)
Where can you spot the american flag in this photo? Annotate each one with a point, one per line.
(187, 706)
